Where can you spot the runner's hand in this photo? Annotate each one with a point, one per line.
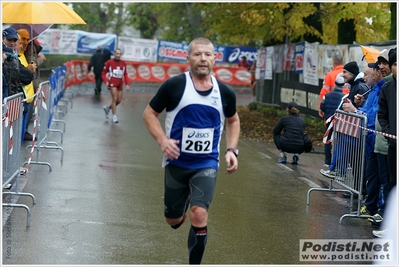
(170, 149)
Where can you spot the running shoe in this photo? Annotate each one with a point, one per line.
(282, 159)
(328, 173)
(364, 211)
(295, 159)
(106, 110)
(377, 218)
(114, 119)
(379, 233)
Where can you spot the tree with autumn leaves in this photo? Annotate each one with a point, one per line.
(245, 23)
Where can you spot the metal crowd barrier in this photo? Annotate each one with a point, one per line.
(12, 131)
(348, 156)
(43, 106)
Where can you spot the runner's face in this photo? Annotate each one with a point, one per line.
(117, 54)
(201, 59)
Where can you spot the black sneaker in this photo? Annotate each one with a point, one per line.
(295, 159)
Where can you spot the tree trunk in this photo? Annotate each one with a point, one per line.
(346, 31)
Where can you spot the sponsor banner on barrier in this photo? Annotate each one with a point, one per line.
(77, 73)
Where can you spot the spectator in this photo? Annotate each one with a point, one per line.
(191, 166)
(330, 78)
(28, 89)
(15, 73)
(244, 63)
(29, 58)
(107, 53)
(288, 134)
(4, 84)
(376, 171)
(353, 77)
(387, 116)
(384, 65)
(328, 106)
(97, 62)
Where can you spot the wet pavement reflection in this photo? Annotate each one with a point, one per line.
(104, 203)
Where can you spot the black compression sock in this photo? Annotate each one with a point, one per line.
(197, 238)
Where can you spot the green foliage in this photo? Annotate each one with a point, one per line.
(100, 17)
(271, 22)
(144, 17)
(241, 23)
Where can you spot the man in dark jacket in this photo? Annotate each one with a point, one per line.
(356, 82)
(97, 62)
(13, 70)
(329, 105)
(387, 116)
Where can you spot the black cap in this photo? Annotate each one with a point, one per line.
(375, 65)
(292, 105)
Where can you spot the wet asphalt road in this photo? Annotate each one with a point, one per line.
(103, 204)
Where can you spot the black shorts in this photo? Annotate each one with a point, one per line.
(180, 184)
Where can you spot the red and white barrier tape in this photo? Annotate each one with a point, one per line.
(335, 118)
(34, 132)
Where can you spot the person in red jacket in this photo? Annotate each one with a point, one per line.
(113, 74)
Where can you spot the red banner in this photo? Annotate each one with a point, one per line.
(149, 72)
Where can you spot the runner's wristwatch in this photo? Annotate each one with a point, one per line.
(235, 151)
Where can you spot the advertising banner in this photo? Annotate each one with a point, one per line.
(262, 63)
(326, 54)
(88, 42)
(137, 49)
(234, 54)
(299, 54)
(310, 67)
(178, 51)
(69, 42)
(269, 63)
(60, 42)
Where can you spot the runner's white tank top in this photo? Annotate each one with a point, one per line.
(197, 122)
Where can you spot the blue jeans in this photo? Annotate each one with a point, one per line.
(24, 121)
(376, 176)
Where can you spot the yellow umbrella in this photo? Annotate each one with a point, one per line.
(370, 54)
(39, 13)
